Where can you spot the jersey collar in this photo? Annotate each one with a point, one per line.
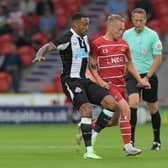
(76, 34)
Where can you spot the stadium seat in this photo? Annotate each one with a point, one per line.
(154, 24)
(55, 87)
(6, 38)
(26, 53)
(62, 22)
(49, 89)
(30, 22)
(39, 37)
(160, 10)
(5, 48)
(5, 81)
(163, 24)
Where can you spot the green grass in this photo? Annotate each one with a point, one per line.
(53, 146)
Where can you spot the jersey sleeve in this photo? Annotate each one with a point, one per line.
(63, 42)
(156, 45)
(93, 50)
(127, 52)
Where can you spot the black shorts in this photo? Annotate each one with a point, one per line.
(82, 91)
(149, 95)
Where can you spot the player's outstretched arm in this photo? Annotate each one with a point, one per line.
(40, 55)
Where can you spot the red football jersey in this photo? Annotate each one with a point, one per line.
(111, 58)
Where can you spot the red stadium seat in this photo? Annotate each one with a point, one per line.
(39, 37)
(55, 87)
(6, 38)
(62, 22)
(163, 24)
(5, 81)
(26, 53)
(154, 24)
(49, 89)
(5, 48)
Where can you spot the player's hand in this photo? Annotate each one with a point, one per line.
(144, 83)
(104, 84)
(38, 59)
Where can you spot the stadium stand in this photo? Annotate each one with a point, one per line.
(43, 77)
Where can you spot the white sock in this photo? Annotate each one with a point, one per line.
(128, 146)
(94, 133)
(89, 149)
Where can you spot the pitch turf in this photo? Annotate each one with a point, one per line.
(53, 146)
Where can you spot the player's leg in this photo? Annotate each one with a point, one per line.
(125, 129)
(156, 124)
(151, 97)
(133, 101)
(97, 126)
(79, 134)
(85, 111)
(76, 92)
(102, 97)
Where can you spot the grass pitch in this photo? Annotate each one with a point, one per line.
(54, 146)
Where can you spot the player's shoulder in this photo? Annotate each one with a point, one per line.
(122, 41)
(149, 30)
(97, 41)
(65, 36)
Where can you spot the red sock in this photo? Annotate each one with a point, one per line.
(125, 129)
(93, 123)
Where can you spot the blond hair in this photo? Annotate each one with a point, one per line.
(115, 17)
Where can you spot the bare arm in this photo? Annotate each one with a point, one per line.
(155, 65)
(94, 70)
(40, 55)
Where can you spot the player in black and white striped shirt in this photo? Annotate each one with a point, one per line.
(74, 50)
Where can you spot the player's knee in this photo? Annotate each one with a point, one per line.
(109, 103)
(85, 110)
(134, 104)
(153, 108)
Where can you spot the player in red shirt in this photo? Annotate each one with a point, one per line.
(109, 60)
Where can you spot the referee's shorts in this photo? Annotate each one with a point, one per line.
(149, 95)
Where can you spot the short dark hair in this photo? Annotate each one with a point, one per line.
(78, 16)
(140, 11)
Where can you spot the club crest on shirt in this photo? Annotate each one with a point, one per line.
(144, 51)
(78, 90)
(74, 42)
(105, 51)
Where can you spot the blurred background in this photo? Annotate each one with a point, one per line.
(32, 93)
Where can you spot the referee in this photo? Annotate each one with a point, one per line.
(146, 50)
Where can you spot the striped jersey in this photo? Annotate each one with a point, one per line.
(74, 51)
(111, 57)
